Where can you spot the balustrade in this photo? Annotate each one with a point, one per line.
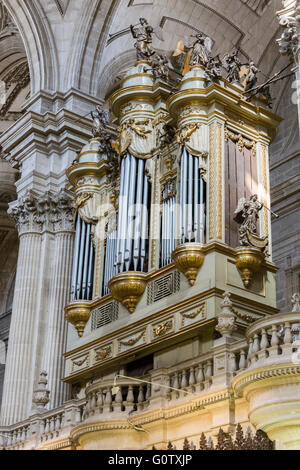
(270, 340)
(127, 398)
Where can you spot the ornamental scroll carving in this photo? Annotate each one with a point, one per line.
(239, 139)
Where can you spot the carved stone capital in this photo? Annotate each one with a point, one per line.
(289, 42)
(52, 212)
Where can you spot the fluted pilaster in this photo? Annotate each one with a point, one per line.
(17, 385)
(56, 332)
(37, 334)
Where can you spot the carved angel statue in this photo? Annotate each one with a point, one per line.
(143, 32)
(197, 51)
(201, 50)
(233, 66)
(247, 214)
(159, 64)
(213, 69)
(101, 118)
(251, 77)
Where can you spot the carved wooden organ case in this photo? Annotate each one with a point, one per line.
(182, 161)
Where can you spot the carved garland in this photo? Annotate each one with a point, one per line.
(241, 141)
(242, 316)
(191, 316)
(133, 341)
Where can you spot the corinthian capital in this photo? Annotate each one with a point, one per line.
(289, 42)
(34, 212)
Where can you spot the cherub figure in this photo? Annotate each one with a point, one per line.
(139, 127)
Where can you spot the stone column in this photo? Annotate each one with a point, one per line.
(53, 361)
(37, 331)
(20, 347)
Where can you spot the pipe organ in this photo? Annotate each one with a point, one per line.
(83, 263)
(132, 235)
(169, 202)
(192, 199)
(177, 201)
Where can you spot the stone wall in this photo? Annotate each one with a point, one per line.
(285, 198)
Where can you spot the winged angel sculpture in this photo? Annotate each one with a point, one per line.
(143, 32)
(197, 50)
(247, 215)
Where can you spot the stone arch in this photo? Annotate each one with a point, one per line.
(84, 63)
(38, 42)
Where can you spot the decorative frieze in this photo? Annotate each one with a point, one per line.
(80, 362)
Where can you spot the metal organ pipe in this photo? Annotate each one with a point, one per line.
(144, 228)
(192, 188)
(123, 211)
(75, 261)
(130, 213)
(86, 261)
(90, 272)
(139, 214)
(83, 262)
(126, 247)
(183, 194)
(196, 198)
(81, 257)
(202, 211)
(190, 197)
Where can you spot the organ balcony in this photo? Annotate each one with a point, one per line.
(165, 244)
(255, 367)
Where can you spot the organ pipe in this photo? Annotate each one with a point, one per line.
(192, 200)
(126, 247)
(83, 262)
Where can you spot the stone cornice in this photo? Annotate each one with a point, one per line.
(37, 213)
(45, 133)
